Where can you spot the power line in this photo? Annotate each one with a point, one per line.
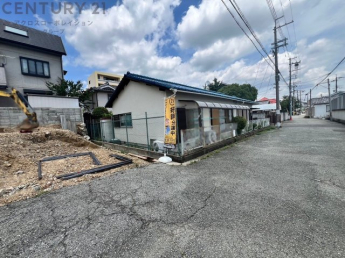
(253, 33)
(286, 26)
(263, 77)
(243, 18)
(294, 29)
(342, 60)
(239, 25)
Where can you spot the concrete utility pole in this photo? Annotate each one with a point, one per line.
(307, 103)
(310, 105)
(330, 101)
(275, 51)
(290, 100)
(336, 83)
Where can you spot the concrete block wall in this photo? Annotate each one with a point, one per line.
(11, 117)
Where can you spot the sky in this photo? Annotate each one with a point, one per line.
(194, 41)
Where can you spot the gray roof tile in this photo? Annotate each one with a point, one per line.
(36, 38)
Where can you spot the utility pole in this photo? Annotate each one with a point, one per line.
(310, 105)
(330, 101)
(307, 103)
(336, 84)
(290, 100)
(275, 52)
(293, 98)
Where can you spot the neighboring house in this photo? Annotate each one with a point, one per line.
(265, 100)
(28, 59)
(320, 107)
(338, 107)
(262, 110)
(100, 96)
(203, 117)
(97, 79)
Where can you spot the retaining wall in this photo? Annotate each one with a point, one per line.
(11, 116)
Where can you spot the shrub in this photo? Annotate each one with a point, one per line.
(101, 112)
(241, 123)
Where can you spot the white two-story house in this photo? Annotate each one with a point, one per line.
(28, 59)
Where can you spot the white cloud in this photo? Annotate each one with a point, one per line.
(132, 36)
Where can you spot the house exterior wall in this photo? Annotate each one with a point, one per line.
(14, 76)
(138, 98)
(102, 98)
(320, 111)
(16, 79)
(52, 102)
(339, 115)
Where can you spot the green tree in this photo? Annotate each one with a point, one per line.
(69, 88)
(244, 91)
(101, 112)
(285, 103)
(215, 85)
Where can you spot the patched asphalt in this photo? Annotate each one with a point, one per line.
(277, 194)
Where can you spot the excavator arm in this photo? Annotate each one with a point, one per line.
(31, 121)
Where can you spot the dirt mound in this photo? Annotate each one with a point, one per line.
(20, 154)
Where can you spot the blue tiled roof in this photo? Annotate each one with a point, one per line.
(169, 85)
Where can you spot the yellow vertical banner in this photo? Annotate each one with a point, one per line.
(170, 121)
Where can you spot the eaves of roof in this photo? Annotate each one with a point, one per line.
(168, 86)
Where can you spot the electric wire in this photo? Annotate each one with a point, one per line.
(239, 25)
(294, 29)
(342, 60)
(253, 41)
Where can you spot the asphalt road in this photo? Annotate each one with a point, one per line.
(278, 194)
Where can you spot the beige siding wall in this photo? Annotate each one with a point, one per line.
(139, 98)
(14, 76)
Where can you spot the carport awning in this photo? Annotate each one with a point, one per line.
(218, 105)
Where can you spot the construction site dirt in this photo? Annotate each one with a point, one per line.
(20, 155)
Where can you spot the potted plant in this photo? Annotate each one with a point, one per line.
(241, 123)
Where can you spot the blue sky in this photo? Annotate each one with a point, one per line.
(194, 41)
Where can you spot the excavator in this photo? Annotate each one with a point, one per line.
(30, 122)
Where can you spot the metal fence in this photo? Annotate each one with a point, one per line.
(148, 132)
(144, 133)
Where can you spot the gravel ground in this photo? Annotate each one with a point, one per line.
(278, 194)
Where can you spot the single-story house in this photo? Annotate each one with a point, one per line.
(320, 107)
(203, 117)
(338, 107)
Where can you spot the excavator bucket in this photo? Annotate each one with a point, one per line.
(28, 125)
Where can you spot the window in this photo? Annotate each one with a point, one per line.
(16, 31)
(34, 67)
(109, 95)
(123, 120)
